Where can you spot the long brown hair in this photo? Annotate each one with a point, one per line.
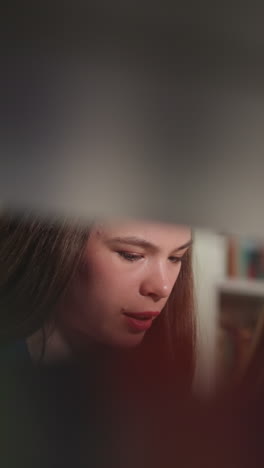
(38, 259)
(250, 384)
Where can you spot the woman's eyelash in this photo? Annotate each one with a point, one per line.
(175, 259)
(129, 256)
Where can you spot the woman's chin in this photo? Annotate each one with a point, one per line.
(127, 341)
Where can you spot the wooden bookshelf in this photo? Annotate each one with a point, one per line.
(242, 287)
(241, 316)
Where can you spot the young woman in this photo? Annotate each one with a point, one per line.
(68, 291)
(65, 289)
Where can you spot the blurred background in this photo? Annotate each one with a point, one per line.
(152, 110)
(229, 279)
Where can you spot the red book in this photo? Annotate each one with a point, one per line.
(232, 264)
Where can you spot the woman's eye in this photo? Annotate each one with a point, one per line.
(175, 259)
(129, 256)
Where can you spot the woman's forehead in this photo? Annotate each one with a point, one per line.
(156, 232)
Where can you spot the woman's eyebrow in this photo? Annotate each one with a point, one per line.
(132, 240)
(184, 246)
(139, 242)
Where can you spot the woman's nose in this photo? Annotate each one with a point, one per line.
(156, 285)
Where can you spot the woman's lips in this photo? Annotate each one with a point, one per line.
(140, 321)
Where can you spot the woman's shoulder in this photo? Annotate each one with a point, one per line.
(15, 354)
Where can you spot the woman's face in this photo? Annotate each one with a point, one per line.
(125, 279)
